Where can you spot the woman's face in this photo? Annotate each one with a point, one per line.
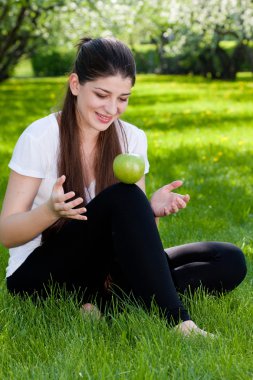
(101, 101)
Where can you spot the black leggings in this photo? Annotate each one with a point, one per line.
(121, 239)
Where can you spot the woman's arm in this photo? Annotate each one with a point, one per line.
(142, 185)
(18, 223)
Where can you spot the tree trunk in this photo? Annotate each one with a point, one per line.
(207, 64)
(228, 70)
(20, 38)
(3, 76)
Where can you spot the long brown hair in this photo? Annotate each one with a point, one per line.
(96, 58)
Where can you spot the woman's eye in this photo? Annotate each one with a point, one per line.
(105, 96)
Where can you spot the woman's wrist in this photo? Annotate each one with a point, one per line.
(152, 209)
(50, 213)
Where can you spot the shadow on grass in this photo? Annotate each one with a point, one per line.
(169, 98)
(161, 98)
(151, 119)
(160, 78)
(34, 98)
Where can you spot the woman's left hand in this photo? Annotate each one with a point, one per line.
(165, 202)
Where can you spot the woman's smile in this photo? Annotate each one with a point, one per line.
(103, 119)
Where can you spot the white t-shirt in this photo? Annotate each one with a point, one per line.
(35, 155)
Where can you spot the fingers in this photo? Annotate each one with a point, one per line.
(173, 185)
(60, 204)
(177, 204)
(77, 213)
(173, 210)
(74, 214)
(166, 211)
(186, 198)
(68, 210)
(65, 197)
(58, 192)
(59, 182)
(180, 202)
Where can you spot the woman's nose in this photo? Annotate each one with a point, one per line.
(111, 107)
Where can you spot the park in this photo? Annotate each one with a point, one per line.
(199, 127)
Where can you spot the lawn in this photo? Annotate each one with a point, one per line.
(199, 131)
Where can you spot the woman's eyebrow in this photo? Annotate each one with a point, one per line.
(108, 92)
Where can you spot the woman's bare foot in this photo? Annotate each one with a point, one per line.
(189, 328)
(91, 311)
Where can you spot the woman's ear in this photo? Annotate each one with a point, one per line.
(74, 84)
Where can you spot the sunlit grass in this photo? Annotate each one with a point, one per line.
(23, 69)
(199, 131)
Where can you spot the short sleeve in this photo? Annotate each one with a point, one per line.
(136, 142)
(140, 146)
(28, 158)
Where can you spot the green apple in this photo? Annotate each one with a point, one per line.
(128, 167)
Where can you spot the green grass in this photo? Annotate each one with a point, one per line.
(23, 69)
(199, 131)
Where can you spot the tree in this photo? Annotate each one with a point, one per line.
(27, 26)
(199, 28)
(187, 33)
(22, 24)
(132, 21)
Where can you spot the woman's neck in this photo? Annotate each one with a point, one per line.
(88, 151)
(88, 143)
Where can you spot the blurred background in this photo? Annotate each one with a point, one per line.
(209, 38)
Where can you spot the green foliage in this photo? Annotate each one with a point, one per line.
(53, 62)
(187, 34)
(196, 29)
(200, 131)
(23, 69)
(146, 58)
(22, 24)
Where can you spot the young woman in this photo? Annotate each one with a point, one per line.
(68, 222)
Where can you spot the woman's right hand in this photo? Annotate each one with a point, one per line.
(59, 206)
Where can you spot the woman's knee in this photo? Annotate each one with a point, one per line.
(234, 263)
(121, 187)
(127, 193)
(120, 199)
